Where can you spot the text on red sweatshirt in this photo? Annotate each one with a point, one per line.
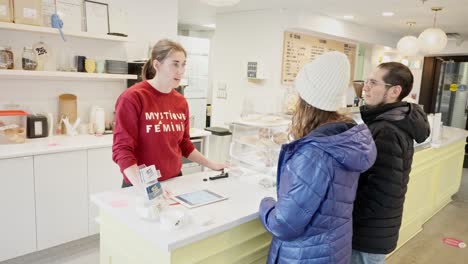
(151, 128)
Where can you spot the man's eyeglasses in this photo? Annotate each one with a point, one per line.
(372, 83)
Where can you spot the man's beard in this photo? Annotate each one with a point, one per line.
(382, 103)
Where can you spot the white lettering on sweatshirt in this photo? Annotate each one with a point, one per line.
(168, 125)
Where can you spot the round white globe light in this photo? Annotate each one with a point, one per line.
(408, 46)
(220, 3)
(432, 40)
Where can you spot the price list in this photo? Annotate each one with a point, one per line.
(300, 49)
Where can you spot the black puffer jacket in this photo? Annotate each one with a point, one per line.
(378, 207)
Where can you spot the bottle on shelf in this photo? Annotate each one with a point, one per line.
(11, 58)
(42, 52)
(29, 59)
(6, 58)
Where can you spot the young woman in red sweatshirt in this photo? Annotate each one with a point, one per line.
(152, 119)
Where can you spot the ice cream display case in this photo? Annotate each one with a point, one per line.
(256, 144)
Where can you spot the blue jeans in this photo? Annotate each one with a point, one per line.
(359, 257)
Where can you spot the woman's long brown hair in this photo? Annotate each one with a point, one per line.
(160, 51)
(307, 118)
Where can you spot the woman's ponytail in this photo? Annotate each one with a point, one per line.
(148, 71)
(159, 52)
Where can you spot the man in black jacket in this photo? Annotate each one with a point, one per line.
(395, 125)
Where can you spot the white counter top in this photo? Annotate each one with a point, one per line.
(66, 143)
(244, 196)
(196, 132)
(242, 204)
(449, 136)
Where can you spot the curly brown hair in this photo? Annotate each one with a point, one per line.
(307, 118)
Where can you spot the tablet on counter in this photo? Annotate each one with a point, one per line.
(198, 198)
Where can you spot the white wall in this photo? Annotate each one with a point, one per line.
(258, 35)
(42, 96)
(368, 67)
(148, 21)
(338, 29)
(378, 54)
(454, 49)
(207, 34)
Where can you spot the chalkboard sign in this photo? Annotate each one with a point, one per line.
(300, 49)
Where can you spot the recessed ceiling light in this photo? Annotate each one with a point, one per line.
(210, 25)
(388, 14)
(348, 17)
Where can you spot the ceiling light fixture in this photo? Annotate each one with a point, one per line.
(220, 3)
(433, 40)
(388, 14)
(348, 17)
(408, 45)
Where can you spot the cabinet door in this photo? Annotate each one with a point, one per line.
(61, 198)
(103, 175)
(18, 223)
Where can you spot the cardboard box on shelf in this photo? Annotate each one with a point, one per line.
(28, 12)
(6, 13)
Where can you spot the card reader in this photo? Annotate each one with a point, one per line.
(219, 176)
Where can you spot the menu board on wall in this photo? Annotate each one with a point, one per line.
(300, 49)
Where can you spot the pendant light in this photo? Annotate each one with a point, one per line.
(408, 45)
(220, 3)
(433, 40)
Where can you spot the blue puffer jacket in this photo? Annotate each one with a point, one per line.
(317, 180)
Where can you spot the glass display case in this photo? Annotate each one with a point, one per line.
(256, 144)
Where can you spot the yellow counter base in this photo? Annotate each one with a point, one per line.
(247, 243)
(435, 177)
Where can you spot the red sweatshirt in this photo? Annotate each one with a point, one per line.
(151, 128)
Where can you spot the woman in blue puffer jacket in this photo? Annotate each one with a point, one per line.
(318, 172)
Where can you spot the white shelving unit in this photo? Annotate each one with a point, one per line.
(57, 75)
(54, 31)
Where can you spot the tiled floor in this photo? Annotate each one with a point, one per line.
(425, 248)
(83, 251)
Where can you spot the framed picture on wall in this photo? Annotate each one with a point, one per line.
(70, 11)
(97, 17)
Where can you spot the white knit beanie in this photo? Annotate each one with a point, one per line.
(322, 83)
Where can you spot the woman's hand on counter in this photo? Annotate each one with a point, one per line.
(217, 166)
(197, 157)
